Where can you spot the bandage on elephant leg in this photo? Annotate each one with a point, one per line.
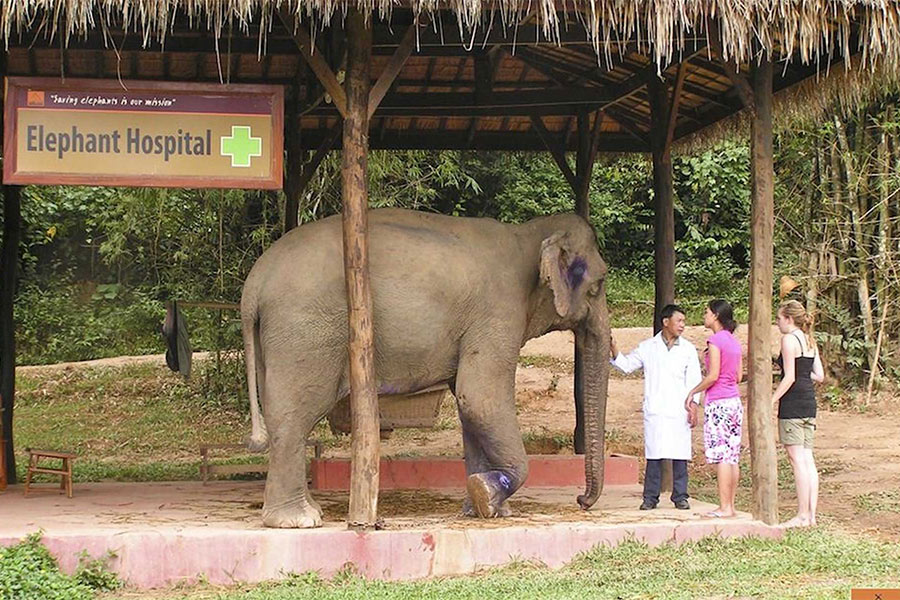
(476, 462)
(486, 398)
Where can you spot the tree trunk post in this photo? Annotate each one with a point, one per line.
(762, 435)
(663, 197)
(293, 164)
(363, 397)
(9, 256)
(9, 262)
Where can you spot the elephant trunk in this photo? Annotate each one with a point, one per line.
(594, 348)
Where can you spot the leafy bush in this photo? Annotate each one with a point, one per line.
(29, 572)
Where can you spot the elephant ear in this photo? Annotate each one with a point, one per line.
(555, 259)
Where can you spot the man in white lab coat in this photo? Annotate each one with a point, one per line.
(671, 370)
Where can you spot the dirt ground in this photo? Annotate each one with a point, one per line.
(858, 451)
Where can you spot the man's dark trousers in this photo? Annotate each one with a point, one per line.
(653, 480)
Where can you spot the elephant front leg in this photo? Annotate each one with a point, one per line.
(496, 464)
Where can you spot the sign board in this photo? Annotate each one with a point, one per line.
(139, 133)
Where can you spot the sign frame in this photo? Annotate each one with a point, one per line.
(12, 176)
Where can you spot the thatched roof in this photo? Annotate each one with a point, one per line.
(803, 30)
(547, 58)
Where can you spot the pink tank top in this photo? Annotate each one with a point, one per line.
(730, 351)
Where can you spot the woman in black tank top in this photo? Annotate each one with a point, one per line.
(795, 397)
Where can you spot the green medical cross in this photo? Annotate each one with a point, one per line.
(241, 146)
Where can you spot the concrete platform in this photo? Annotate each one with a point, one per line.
(168, 533)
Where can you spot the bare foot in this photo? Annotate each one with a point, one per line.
(795, 522)
(719, 514)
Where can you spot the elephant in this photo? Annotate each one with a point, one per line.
(454, 301)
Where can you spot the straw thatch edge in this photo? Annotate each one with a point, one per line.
(841, 89)
(803, 30)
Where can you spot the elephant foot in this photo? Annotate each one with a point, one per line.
(296, 515)
(468, 509)
(488, 497)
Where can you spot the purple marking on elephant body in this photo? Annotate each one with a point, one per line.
(389, 388)
(575, 273)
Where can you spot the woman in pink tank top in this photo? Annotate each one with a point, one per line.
(723, 413)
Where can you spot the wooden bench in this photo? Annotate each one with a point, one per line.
(65, 472)
(207, 469)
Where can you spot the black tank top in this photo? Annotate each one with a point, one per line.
(799, 402)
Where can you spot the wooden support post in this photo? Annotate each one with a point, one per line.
(664, 196)
(364, 419)
(764, 474)
(293, 163)
(9, 262)
(9, 258)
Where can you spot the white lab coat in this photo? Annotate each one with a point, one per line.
(669, 374)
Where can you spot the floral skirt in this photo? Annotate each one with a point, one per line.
(722, 430)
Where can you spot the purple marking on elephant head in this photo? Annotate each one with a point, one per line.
(388, 389)
(576, 272)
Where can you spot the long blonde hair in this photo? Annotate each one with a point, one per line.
(802, 319)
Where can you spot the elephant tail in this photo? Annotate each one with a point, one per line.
(259, 435)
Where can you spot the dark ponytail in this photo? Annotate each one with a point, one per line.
(724, 313)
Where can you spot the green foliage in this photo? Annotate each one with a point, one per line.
(95, 573)
(99, 263)
(29, 572)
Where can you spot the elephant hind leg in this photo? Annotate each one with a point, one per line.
(293, 407)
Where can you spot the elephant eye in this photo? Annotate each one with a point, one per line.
(595, 289)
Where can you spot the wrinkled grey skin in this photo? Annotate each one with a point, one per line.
(454, 299)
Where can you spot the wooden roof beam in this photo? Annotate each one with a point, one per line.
(526, 141)
(387, 77)
(486, 66)
(732, 70)
(316, 61)
(556, 149)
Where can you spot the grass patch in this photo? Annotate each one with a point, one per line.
(130, 423)
(541, 361)
(804, 565)
(883, 501)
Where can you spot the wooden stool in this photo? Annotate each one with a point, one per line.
(65, 473)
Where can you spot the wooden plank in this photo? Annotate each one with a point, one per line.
(309, 169)
(764, 474)
(387, 77)
(664, 197)
(555, 150)
(293, 150)
(363, 513)
(232, 469)
(9, 254)
(315, 60)
(211, 305)
(675, 102)
(417, 139)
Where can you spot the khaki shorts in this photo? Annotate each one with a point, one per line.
(797, 432)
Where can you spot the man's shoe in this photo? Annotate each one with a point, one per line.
(647, 505)
(682, 505)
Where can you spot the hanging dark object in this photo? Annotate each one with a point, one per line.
(178, 346)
